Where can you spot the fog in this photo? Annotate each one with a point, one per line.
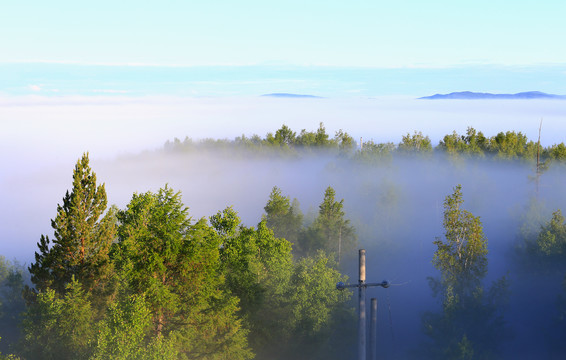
(396, 206)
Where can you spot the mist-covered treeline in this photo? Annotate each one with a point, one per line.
(480, 278)
(509, 145)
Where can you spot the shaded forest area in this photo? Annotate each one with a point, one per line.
(150, 282)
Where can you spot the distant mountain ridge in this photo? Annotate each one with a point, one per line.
(288, 95)
(469, 95)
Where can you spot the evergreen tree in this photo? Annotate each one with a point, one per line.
(284, 137)
(282, 216)
(83, 235)
(175, 265)
(330, 231)
(344, 141)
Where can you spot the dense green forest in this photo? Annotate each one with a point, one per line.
(149, 281)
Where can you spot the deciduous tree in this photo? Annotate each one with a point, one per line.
(471, 324)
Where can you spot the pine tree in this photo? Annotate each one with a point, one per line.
(330, 231)
(175, 265)
(283, 216)
(83, 235)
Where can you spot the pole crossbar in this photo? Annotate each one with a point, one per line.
(362, 285)
(342, 286)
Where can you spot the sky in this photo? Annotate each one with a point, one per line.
(248, 48)
(358, 33)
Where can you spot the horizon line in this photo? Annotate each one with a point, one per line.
(284, 64)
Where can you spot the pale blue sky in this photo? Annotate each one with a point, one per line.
(338, 33)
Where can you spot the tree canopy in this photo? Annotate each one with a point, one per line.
(471, 324)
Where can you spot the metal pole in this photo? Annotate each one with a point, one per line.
(373, 331)
(362, 304)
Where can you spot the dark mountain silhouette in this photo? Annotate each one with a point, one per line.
(287, 95)
(468, 95)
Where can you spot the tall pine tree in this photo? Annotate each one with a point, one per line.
(83, 235)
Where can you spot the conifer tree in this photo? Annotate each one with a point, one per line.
(83, 235)
(330, 231)
(175, 265)
(283, 216)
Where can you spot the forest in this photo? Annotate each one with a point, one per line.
(470, 232)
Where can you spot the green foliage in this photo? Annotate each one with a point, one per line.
(257, 267)
(176, 265)
(461, 258)
(303, 312)
(82, 238)
(11, 301)
(473, 143)
(283, 217)
(318, 139)
(345, 142)
(556, 152)
(147, 282)
(284, 137)
(316, 308)
(59, 327)
(415, 144)
(552, 237)
(9, 356)
(471, 322)
(240, 254)
(545, 250)
(330, 231)
(290, 308)
(544, 253)
(509, 145)
(125, 334)
(512, 145)
(312, 289)
(372, 153)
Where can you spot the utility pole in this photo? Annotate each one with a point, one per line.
(362, 302)
(362, 285)
(373, 330)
